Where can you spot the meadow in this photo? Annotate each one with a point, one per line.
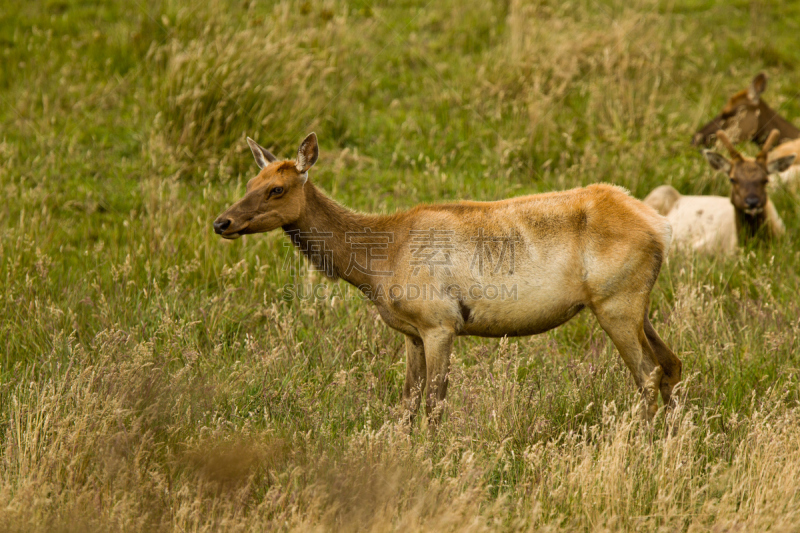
(154, 377)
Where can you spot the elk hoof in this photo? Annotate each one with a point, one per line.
(651, 387)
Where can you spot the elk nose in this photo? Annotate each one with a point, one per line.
(752, 201)
(221, 225)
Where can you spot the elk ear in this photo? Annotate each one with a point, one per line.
(262, 155)
(780, 164)
(308, 153)
(717, 161)
(757, 86)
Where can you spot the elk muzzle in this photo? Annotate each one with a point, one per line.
(752, 201)
(223, 227)
(221, 224)
(753, 204)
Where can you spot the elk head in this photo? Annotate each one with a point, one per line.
(741, 117)
(749, 177)
(275, 197)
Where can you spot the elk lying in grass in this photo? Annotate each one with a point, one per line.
(746, 117)
(714, 223)
(514, 267)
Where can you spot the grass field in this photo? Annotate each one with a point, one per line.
(153, 377)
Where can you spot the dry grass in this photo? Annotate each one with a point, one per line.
(130, 445)
(155, 378)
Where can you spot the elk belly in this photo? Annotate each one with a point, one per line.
(518, 310)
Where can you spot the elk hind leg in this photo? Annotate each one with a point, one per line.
(438, 344)
(626, 330)
(668, 361)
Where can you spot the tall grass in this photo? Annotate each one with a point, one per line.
(154, 377)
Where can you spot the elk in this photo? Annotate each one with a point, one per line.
(513, 267)
(714, 224)
(746, 117)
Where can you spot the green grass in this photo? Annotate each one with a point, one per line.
(153, 377)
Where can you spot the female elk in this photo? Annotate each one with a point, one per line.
(514, 267)
(715, 223)
(746, 117)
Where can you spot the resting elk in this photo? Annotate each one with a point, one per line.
(514, 267)
(715, 224)
(747, 117)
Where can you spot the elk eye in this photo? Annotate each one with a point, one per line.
(275, 191)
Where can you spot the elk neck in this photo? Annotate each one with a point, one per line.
(323, 233)
(770, 119)
(747, 226)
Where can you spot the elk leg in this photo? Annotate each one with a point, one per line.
(415, 378)
(667, 359)
(438, 345)
(626, 330)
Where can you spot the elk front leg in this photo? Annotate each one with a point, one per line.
(438, 344)
(415, 378)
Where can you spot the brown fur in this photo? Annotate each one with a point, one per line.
(555, 253)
